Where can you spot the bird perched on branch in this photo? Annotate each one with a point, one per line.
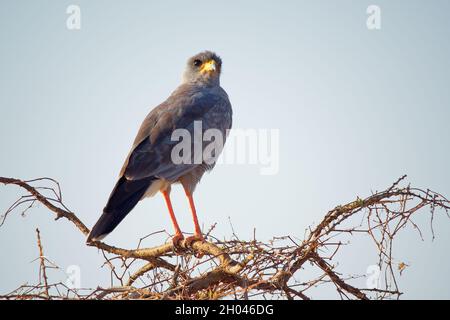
(150, 167)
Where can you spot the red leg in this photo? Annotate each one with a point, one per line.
(178, 234)
(198, 232)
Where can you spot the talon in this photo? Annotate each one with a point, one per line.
(176, 239)
(196, 237)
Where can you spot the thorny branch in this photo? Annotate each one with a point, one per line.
(43, 267)
(237, 268)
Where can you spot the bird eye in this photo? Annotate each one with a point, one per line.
(197, 63)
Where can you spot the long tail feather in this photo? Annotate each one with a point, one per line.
(124, 197)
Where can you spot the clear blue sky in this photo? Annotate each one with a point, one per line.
(355, 108)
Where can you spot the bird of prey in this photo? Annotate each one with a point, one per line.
(149, 167)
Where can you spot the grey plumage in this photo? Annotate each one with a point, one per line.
(149, 167)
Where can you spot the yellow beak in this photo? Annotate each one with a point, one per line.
(208, 66)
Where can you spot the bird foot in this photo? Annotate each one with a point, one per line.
(190, 240)
(176, 239)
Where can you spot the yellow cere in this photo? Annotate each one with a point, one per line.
(208, 66)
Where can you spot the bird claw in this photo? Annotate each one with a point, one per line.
(176, 239)
(190, 240)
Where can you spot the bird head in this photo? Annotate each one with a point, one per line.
(203, 68)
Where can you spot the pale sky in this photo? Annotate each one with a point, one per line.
(355, 109)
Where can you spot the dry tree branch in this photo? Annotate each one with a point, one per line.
(244, 269)
(43, 267)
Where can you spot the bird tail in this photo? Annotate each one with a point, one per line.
(124, 197)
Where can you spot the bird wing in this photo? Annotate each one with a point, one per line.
(151, 154)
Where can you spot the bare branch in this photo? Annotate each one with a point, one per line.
(238, 268)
